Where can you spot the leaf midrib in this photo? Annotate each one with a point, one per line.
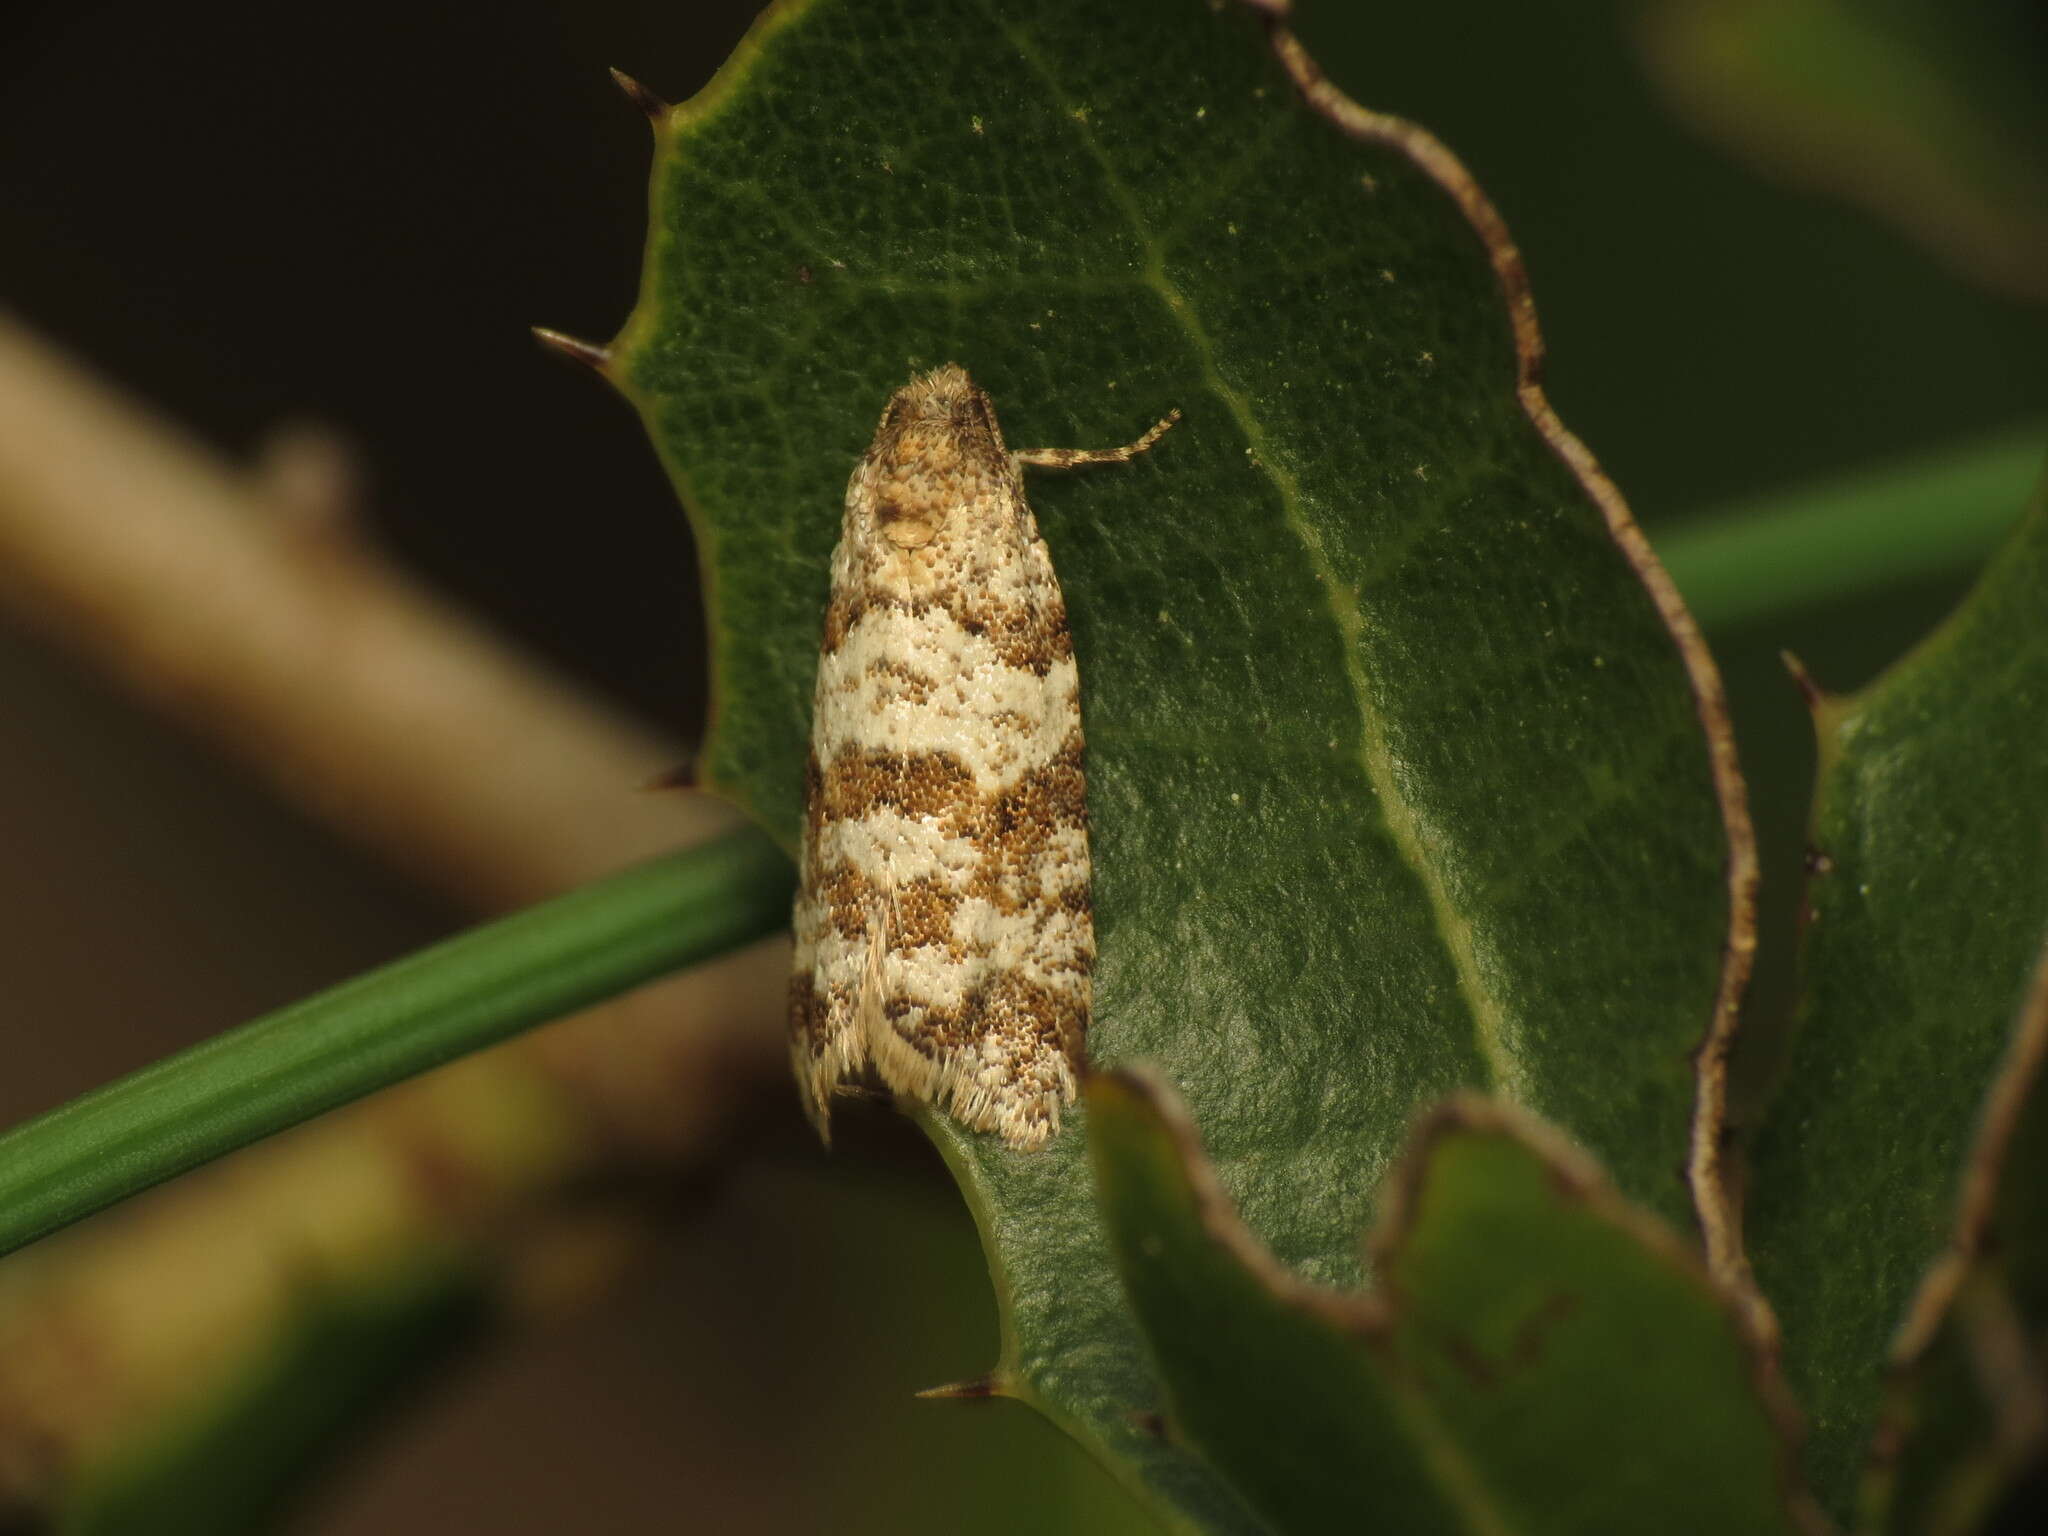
(1400, 819)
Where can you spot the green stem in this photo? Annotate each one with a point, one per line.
(1837, 540)
(458, 996)
(1855, 535)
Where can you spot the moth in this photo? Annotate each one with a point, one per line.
(945, 941)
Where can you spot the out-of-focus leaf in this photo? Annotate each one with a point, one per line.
(1932, 112)
(234, 1464)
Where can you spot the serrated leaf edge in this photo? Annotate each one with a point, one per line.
(1714, 1194)
(1976, 1206)
(1370, 1314)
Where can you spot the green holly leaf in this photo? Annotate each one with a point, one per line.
(1927, 905)
(1397, 770)
(1966, 1406)
(1536, 1354)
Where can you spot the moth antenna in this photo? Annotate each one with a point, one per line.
(590, 354)
(1075, 458)
(656, 109)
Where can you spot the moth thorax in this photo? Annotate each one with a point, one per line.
(918, 485)
(907, 514)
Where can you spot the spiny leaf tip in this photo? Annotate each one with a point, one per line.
(1809, 690)
(991, 1385)
(590, 354)
(656, 109)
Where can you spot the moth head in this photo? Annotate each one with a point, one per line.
(937, 446)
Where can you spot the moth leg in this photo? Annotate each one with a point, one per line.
(1076, 458)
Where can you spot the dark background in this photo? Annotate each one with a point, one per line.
(249, 215)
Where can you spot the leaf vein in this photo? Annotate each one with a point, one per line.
(1412, 838)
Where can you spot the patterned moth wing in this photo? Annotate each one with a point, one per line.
(944, 940)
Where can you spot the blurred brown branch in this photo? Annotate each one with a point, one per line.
(245, 604)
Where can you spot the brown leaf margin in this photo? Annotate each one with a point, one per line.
(2016, 1397)
(1715, 1198)
(1573, 1173)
